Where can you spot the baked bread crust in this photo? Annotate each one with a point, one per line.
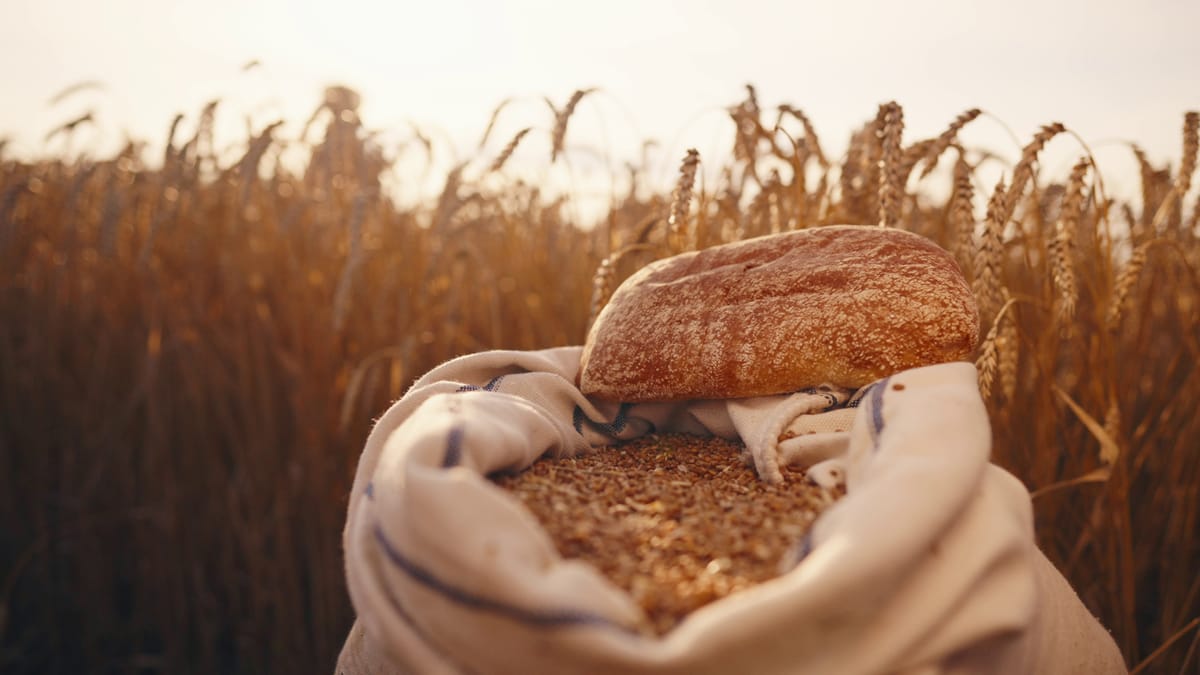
(840, 304)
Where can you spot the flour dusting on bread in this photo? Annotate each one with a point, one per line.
(840, 304)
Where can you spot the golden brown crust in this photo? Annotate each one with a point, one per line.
(843, 304)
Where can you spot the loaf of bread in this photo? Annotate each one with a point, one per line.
(841, 304)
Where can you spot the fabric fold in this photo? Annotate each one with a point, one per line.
(926, 565)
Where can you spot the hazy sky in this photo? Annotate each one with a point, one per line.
(1107, 69)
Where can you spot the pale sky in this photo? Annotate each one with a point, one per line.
(1107, 69)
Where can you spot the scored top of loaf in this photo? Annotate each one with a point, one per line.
(841, 304)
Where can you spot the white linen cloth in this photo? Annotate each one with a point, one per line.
(926, 565)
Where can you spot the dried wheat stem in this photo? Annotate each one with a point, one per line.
(1062, 246)
(810, 134)
(681, 200)
(560, 121)
(1112, 428)
(491, 124)
(508, 150)
(748, 130)
(890, 187)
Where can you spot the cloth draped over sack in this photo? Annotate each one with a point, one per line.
(926, 565)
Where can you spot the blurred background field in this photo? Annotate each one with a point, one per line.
(193, 346)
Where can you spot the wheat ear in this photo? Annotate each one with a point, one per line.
(989, 352)
(890, 180)
(962, 209)
(990, 254)
(681, 201)
(1023, 172)
(508, 150)
(560, 121)
(944, 140)
(1125, 282)
(602, 280)
(1191, 142)
(1062, 246)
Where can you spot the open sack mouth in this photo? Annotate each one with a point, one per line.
(676, 521)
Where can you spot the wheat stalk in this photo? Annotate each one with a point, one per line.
(890, 180)
(1023, 172)
(748, 130)
(1125, 281)
(1187, 166)
(810, 134)
(559, 134)
(1008, 355)
(1109, 452)
(1062, 246)
(961, 209)
(491, 123)
(602, 280)
(989, 356)
(681, 200)
(990, 253)
(939, 145)
(508, 150)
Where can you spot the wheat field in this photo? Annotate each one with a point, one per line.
(192, 349)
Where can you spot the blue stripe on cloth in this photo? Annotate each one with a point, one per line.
(577, 419)
(453, 447)
(876, 405)
(492, 385)
(799, 552)
(804, 548)
(545, 619)
(370, 491)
